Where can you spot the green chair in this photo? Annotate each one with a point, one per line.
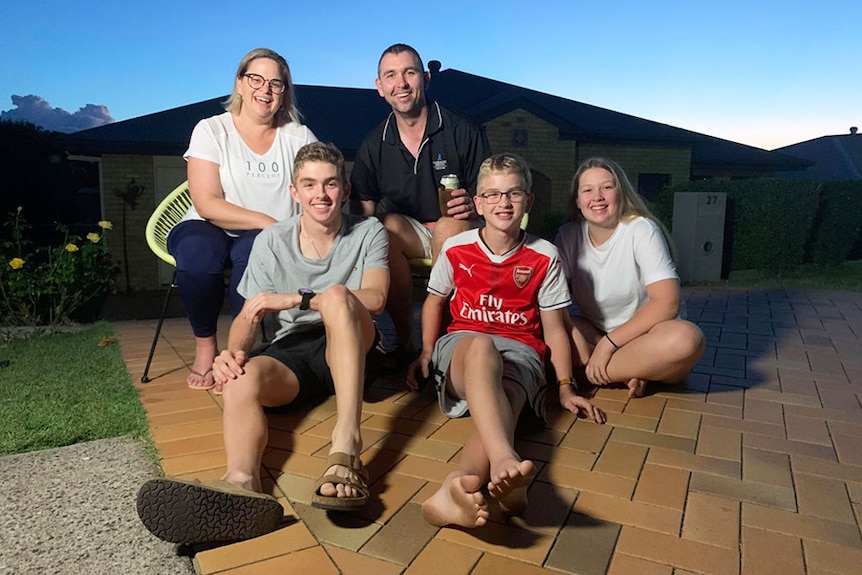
(167, 214)
(421, 267)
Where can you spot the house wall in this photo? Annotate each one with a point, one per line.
(637, 160)
(125, 174)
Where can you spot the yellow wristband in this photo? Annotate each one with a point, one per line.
(565, 381)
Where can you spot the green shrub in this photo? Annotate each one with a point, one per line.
(838, 223)
(771, 219)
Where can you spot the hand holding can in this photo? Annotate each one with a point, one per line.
(448, 183)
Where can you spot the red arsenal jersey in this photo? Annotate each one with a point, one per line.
(500, 294)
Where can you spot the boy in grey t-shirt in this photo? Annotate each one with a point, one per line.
(325, 274)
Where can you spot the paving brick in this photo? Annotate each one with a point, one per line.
(625, 512)
(725, 395)
(742, 425)
(312, 560)
(807, 429)
(186, 464)
(763, 411)
(345, 530)
(548, 507)
(764, 494)
(586, 480)
(495, 565)
(845, 428)
(825, 468)
(424, 468)
(623, 564)
(712, 520)
(186, 430)
(770, 553)
(351, 563)
(703, 408)
(584, 546)
(440, 450)
(830, 415)
(191, 445)
(854, 489)
(849, 449)
(803, 526)
(719, 443)
(766, 467)
(650, 406)
(440, 557)
(649, 439)
(832, 558)
(693, 462)
(778, 445)
(663, 486)
(587, 437)
(621, 459)
(509, 541)
(288, 539)
(681, 553)
(631, 421)
(680, 423)
(403, 538)
(823, 497)
(783, 397)
(388, 495)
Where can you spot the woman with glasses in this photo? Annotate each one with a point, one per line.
(239, 169)
(617, 256)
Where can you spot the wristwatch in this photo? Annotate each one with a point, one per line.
(306, 294)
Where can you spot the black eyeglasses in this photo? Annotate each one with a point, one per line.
(515, 196)
(256, 81)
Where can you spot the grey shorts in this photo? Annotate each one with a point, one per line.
(521, 364)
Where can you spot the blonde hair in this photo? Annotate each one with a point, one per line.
(288, 111)
(506, 163)
(324, 152)
(630, 204)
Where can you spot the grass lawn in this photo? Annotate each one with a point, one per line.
(63, 388)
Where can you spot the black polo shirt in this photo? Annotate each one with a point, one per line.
(387, 173)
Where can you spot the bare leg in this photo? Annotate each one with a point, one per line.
(445, 229)
(201, 377)
(460, 501)
(349, 334)
(266, 381)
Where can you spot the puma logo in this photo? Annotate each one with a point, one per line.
(466, 269)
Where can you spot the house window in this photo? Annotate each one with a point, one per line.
(650, 185)
(520, 138)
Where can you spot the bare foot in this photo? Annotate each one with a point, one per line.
(637, 387)
(459, 501)
(201, 381)
(201, 375)
(509, 485)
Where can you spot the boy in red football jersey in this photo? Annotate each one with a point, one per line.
(509, 298)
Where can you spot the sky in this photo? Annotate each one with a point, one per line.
(766, 73)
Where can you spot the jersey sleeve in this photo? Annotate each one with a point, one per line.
(554, 291)
(442, 279)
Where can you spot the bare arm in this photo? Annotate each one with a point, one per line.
(558, 340)
(229, 364)
(373, 290)
(208, 199)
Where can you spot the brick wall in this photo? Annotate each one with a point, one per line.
(116, 174)
(637, 160)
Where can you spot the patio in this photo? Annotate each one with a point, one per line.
(753, 467)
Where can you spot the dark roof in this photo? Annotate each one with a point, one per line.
(834, 157)
(345, 115)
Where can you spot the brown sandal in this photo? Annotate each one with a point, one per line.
(357, 478)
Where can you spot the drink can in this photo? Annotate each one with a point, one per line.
(450, 182)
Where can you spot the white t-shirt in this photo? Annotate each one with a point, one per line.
(609, 282)
(254, 181)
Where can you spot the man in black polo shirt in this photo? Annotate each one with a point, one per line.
(398, 170)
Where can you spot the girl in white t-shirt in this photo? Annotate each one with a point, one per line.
(617, 257)
(239, 168)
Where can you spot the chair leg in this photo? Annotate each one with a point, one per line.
(145, 377)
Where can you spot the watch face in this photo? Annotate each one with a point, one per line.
(304, 291)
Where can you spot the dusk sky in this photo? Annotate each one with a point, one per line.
(764, 73)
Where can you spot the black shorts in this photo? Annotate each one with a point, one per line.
(304, 353)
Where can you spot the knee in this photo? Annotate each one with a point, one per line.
(447, 227)
(688, 341)
(482, 351)
(336, 303)
(244, 389)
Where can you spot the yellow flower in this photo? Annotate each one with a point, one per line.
(94, 237)
(20, 208)
(71, 248)
(106, 225)
(16, 263)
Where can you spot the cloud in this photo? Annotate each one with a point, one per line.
(37, 110)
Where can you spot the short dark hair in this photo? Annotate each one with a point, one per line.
(396, 49)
